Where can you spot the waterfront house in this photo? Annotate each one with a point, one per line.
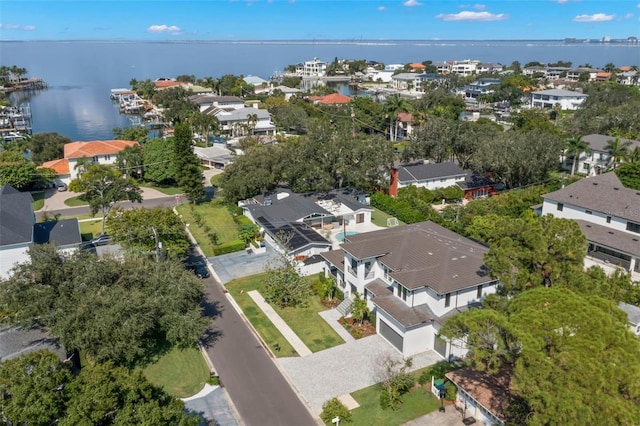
(99, 152)
(489, 68)
(332, 99)
(607, 213)
(575, 73)
(417, 67)
(61, 167)
(481, 86)
(413, 278)
(413, 82)
(210, 104)
(245, 121)
(313, 68)
(425, 175)
(598, 159)
(552, 98)
(288, 92)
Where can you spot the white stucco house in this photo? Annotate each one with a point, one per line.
(607, 213)
(565, 99)
(210, 104)
(313, 68)
(238, 122)
(597, 160)
(98, 152)
(413, 278)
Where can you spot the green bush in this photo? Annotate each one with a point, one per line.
(242, 220)
(402, 210)
(230, 247)
(334, 408)
(437, 370)
(451, 391)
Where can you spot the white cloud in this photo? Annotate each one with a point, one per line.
(410, 3)
(472, 16)
(478, 6)
(382, 8)
(17, 27)
(171, 29)
(628, 16)
(596, 17)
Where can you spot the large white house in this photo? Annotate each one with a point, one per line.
(597, 159)
(565, 99)
(609, 217)
(413, 277)
(98, 152)
(425, 175)
(314, 68)
(239, 122)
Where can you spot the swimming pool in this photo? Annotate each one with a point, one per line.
(340, 235)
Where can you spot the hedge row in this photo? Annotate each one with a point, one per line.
(230, 247)
(402, 210)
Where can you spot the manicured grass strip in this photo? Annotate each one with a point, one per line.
(378, 217)
(76, 201)
(90, 229)
(416, 403)
(168, 190)
(216, 217)
(38, 200)
(305, 322)
(181, 372)
(256, 317)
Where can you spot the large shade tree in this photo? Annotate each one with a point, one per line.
(186, 165)
(47, 146)
(109, 308)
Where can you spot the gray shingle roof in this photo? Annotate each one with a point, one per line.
(15, 342)
(242, 114)
(612, 238)
(599, 142)
(16, 216)
(560, 92)
(406, 315)
(632, 311)
(335, 257)
(424, 255)
(603, 193)
(63, 232)
(420, 171)
(286, 206)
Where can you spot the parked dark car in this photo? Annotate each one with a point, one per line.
(100, 240)
(199, 269)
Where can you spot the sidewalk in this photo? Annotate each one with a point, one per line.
(279, 323)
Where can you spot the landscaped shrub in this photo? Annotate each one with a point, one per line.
(242, 220)
(334, 408)
(451, 391)
(402, 210)
(230, 247)
(437, 370)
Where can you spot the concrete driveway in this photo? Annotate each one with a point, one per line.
(212, 404)
(240, 264)
(344, 369)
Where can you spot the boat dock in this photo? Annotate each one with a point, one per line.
(15, 122)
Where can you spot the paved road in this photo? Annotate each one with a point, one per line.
(257, 388)
(168, 201)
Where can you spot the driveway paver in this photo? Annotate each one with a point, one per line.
(344, 369)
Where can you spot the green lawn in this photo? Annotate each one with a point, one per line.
(305, 322)
(214, 215)
(38, 200)
(75, 201)
(181, 372)
(90, 229)
(168, 190)
(378, 217)
(416, 403)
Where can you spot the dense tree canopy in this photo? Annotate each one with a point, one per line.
(21, 173)
(157, 156)
(47, 146)
(186, 165)
(38, 389)
(574, 360)
(112, 309)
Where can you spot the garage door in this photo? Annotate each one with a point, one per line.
(391, 335)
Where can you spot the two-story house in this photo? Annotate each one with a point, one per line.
(246, 121)
(597, 159)
(98, 152)
(479, 87)
(413, 82)
(211, 104)
(608, 215)
(314, 68)
(413, 278)
(552, 98)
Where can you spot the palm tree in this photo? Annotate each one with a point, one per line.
(83, 164)
(610, 67)
(130, 161)
(618, 149)
(252, 120)
(576, 146)
(633, 156)
(359, 309)
(392, 106)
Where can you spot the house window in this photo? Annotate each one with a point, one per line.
(560, 206)
(633, 227)
(447, 300)
(107, 157)
(585, 166)
(95, 159)
(608, 219)
(479, 294)
(588, 211)
(402, 292)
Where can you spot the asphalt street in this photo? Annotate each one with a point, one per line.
(168, 201)
(259, 391)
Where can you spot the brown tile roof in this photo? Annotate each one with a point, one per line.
(405, 117)
(60, 166)
(332, 99)
(492, 391)
(417, 66)
(603, 193)
(424, 255)
(92, 148)
(335, 257)
(625, 68)
(167, 83)
(612, 238)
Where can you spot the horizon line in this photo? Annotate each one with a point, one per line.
(352, 40)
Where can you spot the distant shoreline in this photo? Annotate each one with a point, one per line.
(333, 41)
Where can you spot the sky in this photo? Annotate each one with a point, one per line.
(176, 20)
